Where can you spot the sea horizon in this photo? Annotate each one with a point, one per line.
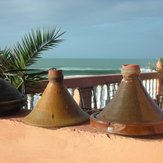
(91, 66)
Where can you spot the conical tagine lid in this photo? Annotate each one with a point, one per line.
(56, 108)
(131, 111)
(11, 100)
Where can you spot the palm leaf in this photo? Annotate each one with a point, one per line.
(6, 61)
(32, 45)
(25, 53)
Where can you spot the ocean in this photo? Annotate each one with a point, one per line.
(78, 67)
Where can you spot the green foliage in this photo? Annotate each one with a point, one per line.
(26, 53)
(161, 60)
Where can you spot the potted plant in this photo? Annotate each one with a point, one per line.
(14, 62)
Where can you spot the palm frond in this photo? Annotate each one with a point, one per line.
(26, 53)
(6, 61)
(32, 45)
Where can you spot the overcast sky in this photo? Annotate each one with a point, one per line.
(94, 28)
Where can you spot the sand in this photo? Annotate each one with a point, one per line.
(76, 144)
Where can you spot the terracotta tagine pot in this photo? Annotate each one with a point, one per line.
(56, 108)
(11, 100)
(131, 112)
